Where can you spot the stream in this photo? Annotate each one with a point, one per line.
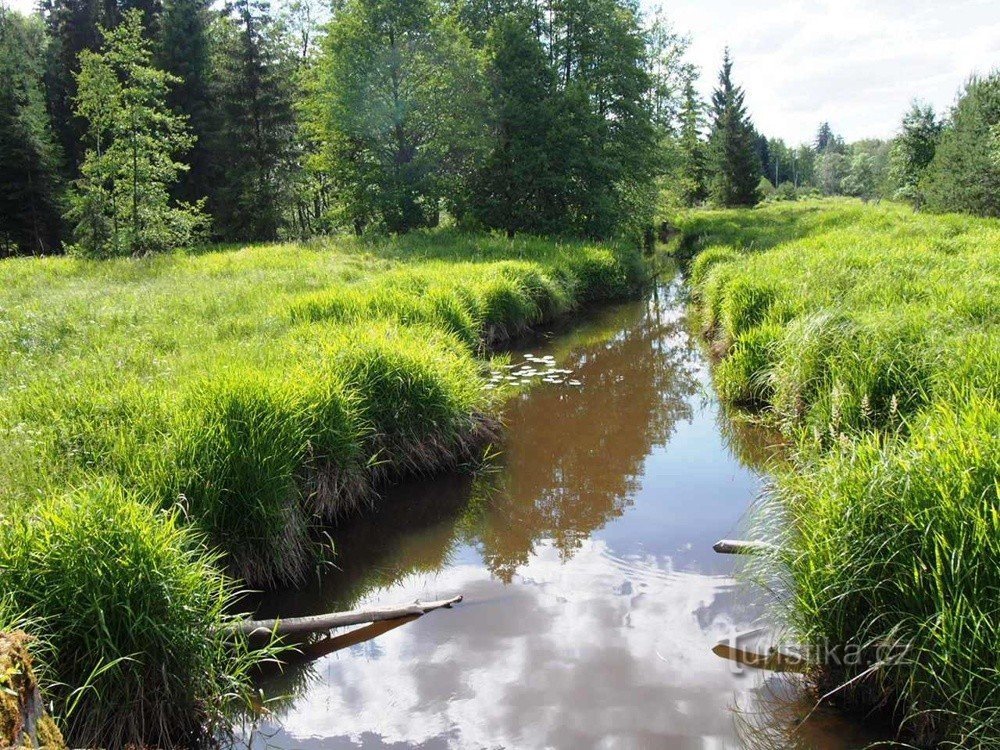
(592, 595)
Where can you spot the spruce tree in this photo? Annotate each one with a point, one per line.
(252, 145)
(121, 204)
(693, 167)
(734, 163)
(73, 27)
(30, 188)
(514, 188)
(964, 174)
(184, 52)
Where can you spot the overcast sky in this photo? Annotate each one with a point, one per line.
(855, 63)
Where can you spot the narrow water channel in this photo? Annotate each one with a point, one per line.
(592, 595)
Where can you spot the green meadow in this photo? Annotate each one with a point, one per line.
(871, 336)
(180, 425)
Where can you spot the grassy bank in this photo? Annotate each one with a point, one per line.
(872, 335)
(171, 417)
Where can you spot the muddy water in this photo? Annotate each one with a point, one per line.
(592, 596)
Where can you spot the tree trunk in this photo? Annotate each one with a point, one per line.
(321, 623)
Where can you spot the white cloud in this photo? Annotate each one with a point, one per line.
(857, 64)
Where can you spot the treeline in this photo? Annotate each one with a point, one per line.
(129, 126)
(937, 163)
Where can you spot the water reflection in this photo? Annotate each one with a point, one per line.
(592, 597)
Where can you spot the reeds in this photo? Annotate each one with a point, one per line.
(872, 336)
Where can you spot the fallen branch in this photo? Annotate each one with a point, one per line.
(321, 623)
(742, 547)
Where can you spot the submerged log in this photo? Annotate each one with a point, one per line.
(743, 547)
(331, 620)
(762, 649)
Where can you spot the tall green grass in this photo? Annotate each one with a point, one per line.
(132, 609)
(872, 336)
(244, 397)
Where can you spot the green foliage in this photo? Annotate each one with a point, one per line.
(913, 150)
(121, 205)
(693, 174)
(73, 26)
(399, 103)
(734, 163)
(517, 188)
(183, 50)
(133, 613)
(861, 180)
(30, 188)
(254, 128)
(869, 335)
(965, 172)
(828, 141)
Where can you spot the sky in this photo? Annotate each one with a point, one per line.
(853, 63)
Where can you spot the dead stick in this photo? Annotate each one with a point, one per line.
(742, 547)
(320, 623)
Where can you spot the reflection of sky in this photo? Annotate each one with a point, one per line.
(687, 498)
(601, 520)
(599, 647)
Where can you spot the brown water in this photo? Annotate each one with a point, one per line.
(592, 596)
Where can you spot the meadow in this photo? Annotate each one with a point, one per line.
(871, 336)
(178, 426)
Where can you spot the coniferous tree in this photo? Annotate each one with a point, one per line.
(30, 188)
(73, 26)
(763, 148)
(824, 137)
(964, 174)
(734, 163)
(121, 204)
(252, 146)
(693, 171)
(514, 190)
(184, 52)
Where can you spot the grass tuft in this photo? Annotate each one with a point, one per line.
(133, 611)
(870, 335)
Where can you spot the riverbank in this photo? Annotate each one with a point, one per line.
(178, 416)
(872, 336)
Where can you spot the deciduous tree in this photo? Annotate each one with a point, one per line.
(121, 203)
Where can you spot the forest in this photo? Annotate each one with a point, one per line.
(132, 128)
(259, 263)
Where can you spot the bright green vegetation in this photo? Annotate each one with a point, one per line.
(176, 415)
(872, 335)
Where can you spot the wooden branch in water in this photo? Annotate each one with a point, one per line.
(743, 547)
(321, 623)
